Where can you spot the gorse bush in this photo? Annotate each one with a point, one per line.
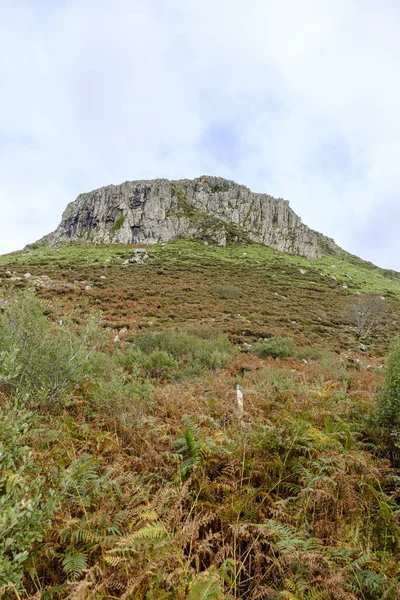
(40, 360)
(184, 346)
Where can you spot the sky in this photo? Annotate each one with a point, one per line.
(299, 99)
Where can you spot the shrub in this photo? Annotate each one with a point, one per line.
(177, 355)
(276, 347)
(389, 400)
(225, 291)
(158, 365)
(41, 360)
(309, 353)
(118, 224)
(203, 332)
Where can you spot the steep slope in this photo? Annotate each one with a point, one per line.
(208, 208)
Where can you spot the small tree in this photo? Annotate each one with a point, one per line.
(367, 313)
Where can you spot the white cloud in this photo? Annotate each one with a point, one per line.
(297, 99)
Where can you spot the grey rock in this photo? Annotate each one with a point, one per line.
(139, 256)
(208, 208)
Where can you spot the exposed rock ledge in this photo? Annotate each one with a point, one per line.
(208, 208)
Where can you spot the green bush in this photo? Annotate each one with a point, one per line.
(118, 224)
(309, 353)
(332, 367)
(389, 400)
(276, 347)
(158, 365)
(41, 360)
(225, 291)
(177, 355)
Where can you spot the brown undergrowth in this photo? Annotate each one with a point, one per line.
(139, 479)
(291, 504)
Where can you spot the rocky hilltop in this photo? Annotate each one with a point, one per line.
(209, 208)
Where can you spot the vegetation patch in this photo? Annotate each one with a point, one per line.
(275, 347)
(220, 187)
(128, 469)
(225, 291)
(176, 355)
(119, 222)
(184, 207)
(40, 362)
(208, 227)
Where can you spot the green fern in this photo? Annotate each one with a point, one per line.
(74, 564)
(206, 586)
(152, 531)
(189, 447)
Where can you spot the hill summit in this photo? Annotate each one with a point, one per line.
(212, 209)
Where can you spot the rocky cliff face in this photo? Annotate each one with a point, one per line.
(208, 208)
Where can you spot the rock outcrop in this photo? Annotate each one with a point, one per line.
(208, 208)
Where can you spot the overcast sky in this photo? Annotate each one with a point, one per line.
(296, 98)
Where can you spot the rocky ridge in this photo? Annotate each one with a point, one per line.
(209, 208)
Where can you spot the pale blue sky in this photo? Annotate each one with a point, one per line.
(297, 98)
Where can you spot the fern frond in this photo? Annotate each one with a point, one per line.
(152, 531)
(206, 586)
(74, 563)
(148, 515)
(85, 537)
(114, 560)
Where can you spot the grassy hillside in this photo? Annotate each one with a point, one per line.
(244, 288)
(127, 470)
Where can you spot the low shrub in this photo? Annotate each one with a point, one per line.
(332, 367)
(309, 353)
